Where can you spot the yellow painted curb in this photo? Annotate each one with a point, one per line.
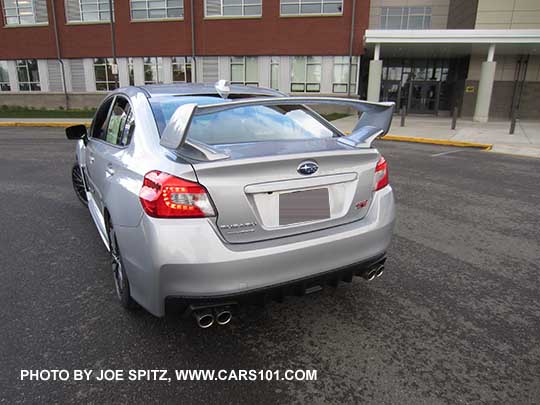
(445, 142)
(432, 141)
(41, 124)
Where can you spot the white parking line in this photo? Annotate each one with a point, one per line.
(447, 153)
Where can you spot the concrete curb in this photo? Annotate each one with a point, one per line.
(432, 141)
(54, 124)
(445, 142)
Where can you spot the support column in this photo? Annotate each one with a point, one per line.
(13, 76)
(167, 70)
(375, 74)
(485, 88)
(123, 72)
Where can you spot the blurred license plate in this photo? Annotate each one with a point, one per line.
(304, 206)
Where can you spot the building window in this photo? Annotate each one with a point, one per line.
(25, 12)
(181, 69)
(232, 8)
(341, 74)
(311, 7)
(4, 76)
(28, 75)
(106, 73)
(406, 18)
(274, 72)
(306, 74)
(156, 9)
(87, 10)
(245, 70)
(153, 70)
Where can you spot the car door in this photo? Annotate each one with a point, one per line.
(109, 147)
(93, 163)
(114, 152)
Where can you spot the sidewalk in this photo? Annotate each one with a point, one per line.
(525, 141)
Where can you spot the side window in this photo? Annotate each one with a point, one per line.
(127, 132)
(117, 121)
(99, 126)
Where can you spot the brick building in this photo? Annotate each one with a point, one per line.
(428, 56)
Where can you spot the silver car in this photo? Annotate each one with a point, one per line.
(208, 196)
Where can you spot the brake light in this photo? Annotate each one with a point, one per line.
(381, 174)
(166, 196)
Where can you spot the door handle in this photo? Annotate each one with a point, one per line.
(91, 159)
(109, 171)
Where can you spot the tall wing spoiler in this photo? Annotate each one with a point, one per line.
(374, 121)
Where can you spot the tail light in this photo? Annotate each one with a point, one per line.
(166, 196)
(381, 174)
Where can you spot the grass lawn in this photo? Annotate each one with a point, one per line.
(24, 112)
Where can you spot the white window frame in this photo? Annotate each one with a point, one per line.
(344, 61)
(306, 83)
(157, 63)
(102, 6)
(147, 8)
(187, 63)
(243, 4)
(4, 85)
(30, 83)
(243, 63)
(405, 14)
(17, 8)
(300, 3)
(110, 82)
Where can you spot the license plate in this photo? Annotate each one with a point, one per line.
(304, 206)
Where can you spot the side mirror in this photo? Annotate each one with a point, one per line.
(76, 132)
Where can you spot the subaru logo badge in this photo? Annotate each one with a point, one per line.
(307, 168)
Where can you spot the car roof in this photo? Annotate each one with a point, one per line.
(197, 89)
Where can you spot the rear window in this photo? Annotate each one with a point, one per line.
(244, 124)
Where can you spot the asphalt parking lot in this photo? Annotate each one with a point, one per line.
(455, 318)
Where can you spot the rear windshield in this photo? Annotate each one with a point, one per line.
(244, 124)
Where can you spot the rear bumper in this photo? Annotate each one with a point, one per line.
(279, 291)
(188, 259)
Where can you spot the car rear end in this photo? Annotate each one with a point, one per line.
(285, 209)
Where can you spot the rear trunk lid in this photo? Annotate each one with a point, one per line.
(260, 192)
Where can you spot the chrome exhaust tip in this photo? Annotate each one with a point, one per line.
(369, 274)
(223, 316)
(204, 318)
(373, 272)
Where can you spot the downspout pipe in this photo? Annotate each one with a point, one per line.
(58, 54)
(193, 61)
(113, 41)
(351, 44)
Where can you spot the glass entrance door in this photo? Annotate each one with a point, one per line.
(423, 97)
(391, 90)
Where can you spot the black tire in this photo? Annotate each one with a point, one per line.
(78, 184)
(121, 282)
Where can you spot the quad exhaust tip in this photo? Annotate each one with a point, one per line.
(204, 318)
(373, 272)
(223, 316)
